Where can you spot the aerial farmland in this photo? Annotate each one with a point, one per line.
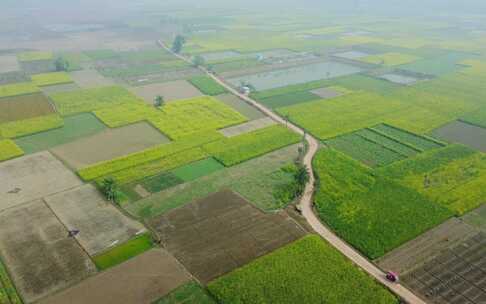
(211, 152)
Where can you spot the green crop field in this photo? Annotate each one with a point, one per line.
(18, 89)
(68, 103)
(390, 59)
(415, 141)
(30, 126)
(477, 118)
(452, 176)
(245, 63)
(234, 150)
(132, 70)
(189, 293)
(147, 169)
(8, 293)
(152, 154)
(123, 252)
(207, 85)
(306, 271)
(8, 149)
(258, 180)
(48, 79)
(160, 182)
(402, 148)
(408, 109)
(330, 118)
(364, 150)
(75, 60)
(373, 213)
(74, 127)
(382, 145)
(176, 119)
(197, 169)
(437, 65)
(288, 99)
(35, 56)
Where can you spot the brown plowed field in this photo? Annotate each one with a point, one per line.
(221, 232)
(24, 107)
(39, 255)
(141, 280)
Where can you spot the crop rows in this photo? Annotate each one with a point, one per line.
(417, 142)
(365, 150)
(234, 150)
(388, 142)
(8, 149)
(87, 100)
(29, 126)
(8, 294)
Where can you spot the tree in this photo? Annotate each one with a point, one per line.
(158, 101)
(178, 43)
(198, 61)
(109, 189)
(61, 64)
(301, 176)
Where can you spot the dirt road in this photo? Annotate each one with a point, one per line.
(306, 202)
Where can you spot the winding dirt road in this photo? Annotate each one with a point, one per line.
(306, 202)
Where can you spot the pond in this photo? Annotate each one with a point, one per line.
(296, 75)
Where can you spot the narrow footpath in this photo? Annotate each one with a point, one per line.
(306, 202)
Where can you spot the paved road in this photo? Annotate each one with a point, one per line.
(306, 202)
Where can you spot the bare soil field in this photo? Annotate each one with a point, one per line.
(221, 232)
(59, 88)
(426, 246)
(109, 144)
(39, 255)
(173, 90)
(24, 107)
(445, 265)
(31, 177)
(247, 127)
(457, 275)
(463, 133)
(141, 280)
(326, 93)
(8, 63)
(241, 106)
(476, 218)
(99, 222)
(90, 79)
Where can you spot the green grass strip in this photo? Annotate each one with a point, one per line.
(123, 252)
(197, 169)
(207, 85)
